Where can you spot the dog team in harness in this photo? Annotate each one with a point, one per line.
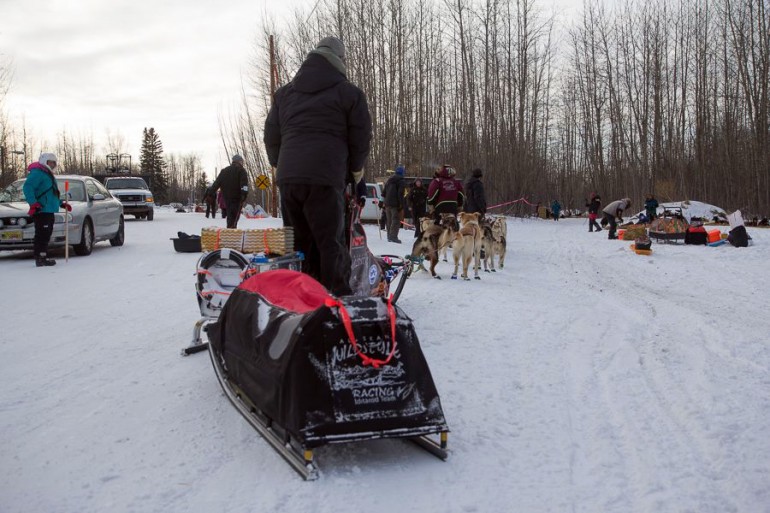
(458, 221)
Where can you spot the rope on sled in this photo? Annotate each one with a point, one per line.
(348, 324)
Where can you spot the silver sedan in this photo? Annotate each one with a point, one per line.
(96, 216)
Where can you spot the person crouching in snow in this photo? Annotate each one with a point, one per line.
(42, 193)
(614, 211)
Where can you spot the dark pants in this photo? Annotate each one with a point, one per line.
(593, 224)
(211, 208)
(233, 212)
(416, 215)
(317, 214)
(43, 231)
(613, 225)
(444, 208)
(383, 219)
(394, 222)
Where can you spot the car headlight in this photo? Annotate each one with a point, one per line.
(148, 199)
(22, 222)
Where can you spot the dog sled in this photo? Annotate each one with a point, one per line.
(306, 369)
(670, 227)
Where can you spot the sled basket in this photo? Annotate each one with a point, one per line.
(325, 370)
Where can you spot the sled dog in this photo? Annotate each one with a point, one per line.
(467, 245)
(449, 223)
(435, 239)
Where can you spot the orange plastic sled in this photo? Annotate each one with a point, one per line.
(641, 251)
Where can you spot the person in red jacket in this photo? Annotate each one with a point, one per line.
(445, 193)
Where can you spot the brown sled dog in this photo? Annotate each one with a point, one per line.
(435, 239)
(449, 223)
(467, 245)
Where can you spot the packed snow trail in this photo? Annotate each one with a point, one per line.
(581, 377)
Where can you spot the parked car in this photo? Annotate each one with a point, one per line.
(371, 211)
(96, 216)
(134, 194)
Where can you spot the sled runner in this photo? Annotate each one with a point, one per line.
(307, 369)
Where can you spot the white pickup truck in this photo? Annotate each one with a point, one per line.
(134, 194)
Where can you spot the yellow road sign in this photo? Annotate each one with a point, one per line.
(262, 182)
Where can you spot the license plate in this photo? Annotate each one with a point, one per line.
(11, 235)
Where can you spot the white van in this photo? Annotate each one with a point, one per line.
(371, 211)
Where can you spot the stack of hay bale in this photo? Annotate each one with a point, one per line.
(270, 241)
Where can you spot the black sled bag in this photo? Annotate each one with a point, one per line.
(696, 235)
(739, 237)
(326, 370)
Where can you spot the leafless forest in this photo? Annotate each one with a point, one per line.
(668, 97)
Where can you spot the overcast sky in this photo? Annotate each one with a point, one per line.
(89, 66)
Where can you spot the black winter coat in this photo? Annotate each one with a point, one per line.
(394, 191)
(418, 198)
(594, 205)
(319, 128)
(234, 183)
(474, 196)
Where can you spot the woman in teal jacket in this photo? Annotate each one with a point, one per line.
(42, 193)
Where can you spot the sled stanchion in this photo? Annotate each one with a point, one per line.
(197, 345)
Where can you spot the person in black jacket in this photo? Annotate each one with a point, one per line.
(394, 203)
(317, 134)
(418, 198)
(593, 211)
(234, 184)
(475, 200)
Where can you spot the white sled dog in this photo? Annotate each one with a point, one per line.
(467, 245)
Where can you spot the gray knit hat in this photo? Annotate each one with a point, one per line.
(334, 44)
(237, 158)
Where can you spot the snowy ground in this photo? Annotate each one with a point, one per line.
(581, 378)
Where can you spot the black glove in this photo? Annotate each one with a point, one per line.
(362, 201)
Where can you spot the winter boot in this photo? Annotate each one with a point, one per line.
(42, 261)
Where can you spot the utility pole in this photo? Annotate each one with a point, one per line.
(274, 185)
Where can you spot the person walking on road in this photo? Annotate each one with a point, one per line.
(593, 210)
(234, 184)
